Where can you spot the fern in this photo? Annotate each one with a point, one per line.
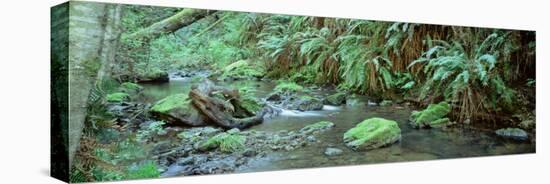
(466, 77)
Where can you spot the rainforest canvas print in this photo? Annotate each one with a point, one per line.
(142, 92)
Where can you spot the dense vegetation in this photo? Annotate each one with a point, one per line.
(481, 71)
(486, 76)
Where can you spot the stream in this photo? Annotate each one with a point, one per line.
(416, 144)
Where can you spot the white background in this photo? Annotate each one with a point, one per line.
(24, 92)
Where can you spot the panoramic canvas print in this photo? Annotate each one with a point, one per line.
(141, 92)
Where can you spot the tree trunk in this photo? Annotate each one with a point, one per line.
(181, 19)
(93, 36)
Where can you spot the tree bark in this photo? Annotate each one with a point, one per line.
(221, 112)
(215, 111)
(92, 44)
(181, 19)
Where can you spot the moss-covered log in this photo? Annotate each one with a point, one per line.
(181, 19)
(219, 111)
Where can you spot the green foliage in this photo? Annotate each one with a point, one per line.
(530, 82)
(467, 76)
(106, 175)
(242, 69)
(364, 68)
(227, 142)
(145, 170)
(403, 81)
(286, 86)
(131, 86)
(471, 68)
(306, 74)
(118, 97)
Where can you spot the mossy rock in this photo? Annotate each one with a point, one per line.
(308, 103)
(228, 142)
(354, 101)
(178, 109)
(433, 116)
(319, 126)
(153, 75)
(513, 133)
(118, 97)
(289, 87)
(250, 105)
(242, 69)
(130, 87)
(336, 99)
(372, 133)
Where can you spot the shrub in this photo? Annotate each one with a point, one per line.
(468, 77)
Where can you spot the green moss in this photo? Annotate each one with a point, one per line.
(308, 103)
(227, 142)
(146, 170)
(118, 97)
(171, 102)
(434, 115)
(131, 86)
(289, 87)
(242, 69)
(154, 74)
(336, 99)
(440, 122)
(372, 133)
(251, 105)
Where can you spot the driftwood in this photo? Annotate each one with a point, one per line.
(220, 111)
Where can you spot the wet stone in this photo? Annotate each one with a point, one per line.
(333, 151)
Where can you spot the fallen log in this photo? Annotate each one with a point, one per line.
(181, 19)
(220, 104)
(217, 112)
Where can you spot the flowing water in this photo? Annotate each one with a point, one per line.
(423, 144)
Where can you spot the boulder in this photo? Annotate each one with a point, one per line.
(354, 101)
(275, 96)
(513, 133)
(178, 109)
(308, 103)
(242, 69)
(333, 151)
(434, 116)
(336, 99)
(227, 142)
(153, 75)
(372, 133)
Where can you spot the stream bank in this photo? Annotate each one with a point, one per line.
(279, 142)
